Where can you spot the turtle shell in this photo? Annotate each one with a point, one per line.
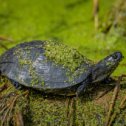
(45, 65)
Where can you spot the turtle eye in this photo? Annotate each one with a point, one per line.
(115, 56)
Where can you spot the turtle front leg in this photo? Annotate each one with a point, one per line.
(81, 89)
(109, 80)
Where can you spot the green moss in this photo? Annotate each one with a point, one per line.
(43, 83)
(38, 110)
(63, 55)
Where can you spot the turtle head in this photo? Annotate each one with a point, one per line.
(106, 66)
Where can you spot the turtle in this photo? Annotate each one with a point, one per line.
(53, 67)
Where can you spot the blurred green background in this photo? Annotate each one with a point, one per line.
(68, 21)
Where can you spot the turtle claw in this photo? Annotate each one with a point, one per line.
(109, 80)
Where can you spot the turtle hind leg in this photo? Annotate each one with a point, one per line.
(16, 84)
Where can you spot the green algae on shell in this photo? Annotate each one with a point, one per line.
(62, 54)
(23, 61)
